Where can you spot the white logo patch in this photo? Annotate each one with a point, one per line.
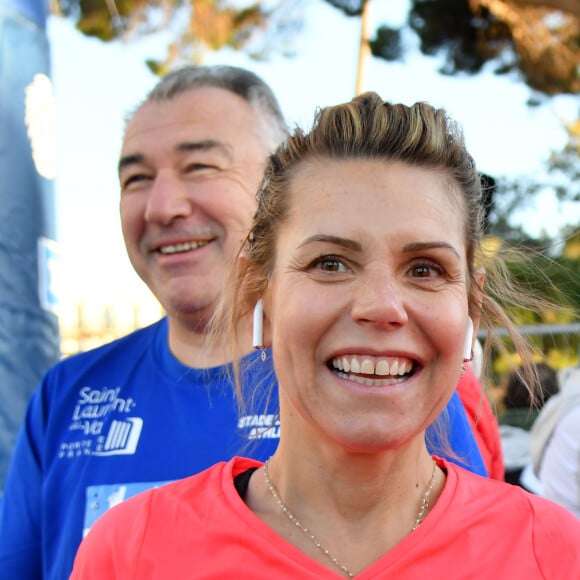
(100, 426)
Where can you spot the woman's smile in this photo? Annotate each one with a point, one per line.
(372, 371)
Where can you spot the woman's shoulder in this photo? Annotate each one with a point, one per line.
(512, 503)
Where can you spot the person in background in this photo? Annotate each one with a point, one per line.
(555, 443)
(519, 415)
(156, 405)
(519, 410)
(359, 268)
(151, 407)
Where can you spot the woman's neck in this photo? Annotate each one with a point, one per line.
(357, 506)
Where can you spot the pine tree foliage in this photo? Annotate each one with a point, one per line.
(546, 39)
(257, 28)
(541, 39)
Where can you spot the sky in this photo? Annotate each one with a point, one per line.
(97, 84)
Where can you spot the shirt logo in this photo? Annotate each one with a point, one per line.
(260, 426)
(103, 423)
(122, 437)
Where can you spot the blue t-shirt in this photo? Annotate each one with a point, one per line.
(109, 423)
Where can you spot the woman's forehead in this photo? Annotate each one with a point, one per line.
(372, 198)
(323, 181)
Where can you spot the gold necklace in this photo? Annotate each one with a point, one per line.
(349, 574)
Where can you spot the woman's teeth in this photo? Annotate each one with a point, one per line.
(380, 366)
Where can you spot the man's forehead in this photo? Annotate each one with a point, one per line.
(166, 120)
(206, 120)
(163, 126)
(195, 105)
(222, 116)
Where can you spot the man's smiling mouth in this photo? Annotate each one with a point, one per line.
(182, 247)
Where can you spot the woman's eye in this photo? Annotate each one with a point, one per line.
(425, 270)
(330, 264)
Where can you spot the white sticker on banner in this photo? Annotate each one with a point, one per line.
(49, 277)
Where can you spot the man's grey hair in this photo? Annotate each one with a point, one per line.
(238, 81)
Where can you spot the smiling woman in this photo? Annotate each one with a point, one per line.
(344, 287)
(362, 256)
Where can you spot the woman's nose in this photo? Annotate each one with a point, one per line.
(380, 301)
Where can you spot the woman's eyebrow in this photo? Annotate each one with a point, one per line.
(336, 240)
(418, 246)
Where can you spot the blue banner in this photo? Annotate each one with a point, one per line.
(29, 339)
(34, 10)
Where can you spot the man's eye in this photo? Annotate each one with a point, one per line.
(193, 167)
(133, 179)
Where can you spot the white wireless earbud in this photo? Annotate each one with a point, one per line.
(468, 340)
(258, 337)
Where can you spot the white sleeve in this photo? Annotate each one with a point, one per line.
(560, 470)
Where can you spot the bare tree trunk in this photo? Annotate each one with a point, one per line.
(364, 51)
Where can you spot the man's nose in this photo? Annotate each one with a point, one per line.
(168, 199)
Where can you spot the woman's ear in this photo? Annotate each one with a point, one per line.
(258, 325)
(254, 302)
(468, 345)
(267, 327)
(261, 332)
(476, 300)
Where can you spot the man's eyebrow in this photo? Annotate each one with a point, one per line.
(130, 160)
(204, 145)
(186, 147)
(336, 240)
(419, 246)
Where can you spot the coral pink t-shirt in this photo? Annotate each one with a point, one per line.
(200, 528)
